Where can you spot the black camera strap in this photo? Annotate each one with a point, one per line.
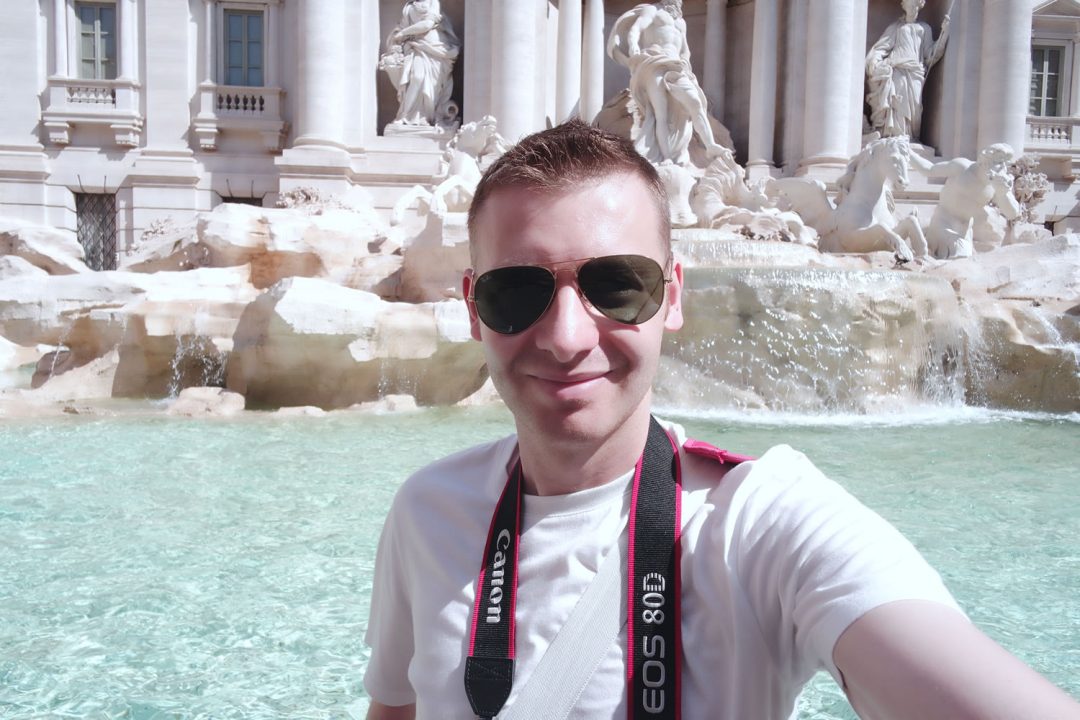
(653, 597)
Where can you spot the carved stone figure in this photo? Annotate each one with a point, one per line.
(667, 104)
(970, 187)
(723, 200)
(419, 58)
(896, 69)
(475, 146)
(864, 217)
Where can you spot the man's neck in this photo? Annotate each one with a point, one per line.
(555, 465)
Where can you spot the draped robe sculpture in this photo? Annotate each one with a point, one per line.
(419, 59)
(896, 69)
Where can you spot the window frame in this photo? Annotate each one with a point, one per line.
(101, 60)
(221, 40)
(1064, 77)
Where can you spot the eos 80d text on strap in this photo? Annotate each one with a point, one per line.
(652, 587)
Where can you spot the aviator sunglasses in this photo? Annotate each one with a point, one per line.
(626, 288)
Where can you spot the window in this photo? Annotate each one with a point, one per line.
(97, 40)
(244, 48)
(95, 226)
(1046, 74)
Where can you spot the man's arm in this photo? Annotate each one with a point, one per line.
(918, 659)
(378, 711)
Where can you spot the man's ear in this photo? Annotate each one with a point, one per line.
(466, 292)
(673, 317)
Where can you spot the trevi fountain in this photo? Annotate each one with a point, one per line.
(320, 336)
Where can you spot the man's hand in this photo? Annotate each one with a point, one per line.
(917, 659)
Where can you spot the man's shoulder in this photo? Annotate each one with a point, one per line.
(472, 467)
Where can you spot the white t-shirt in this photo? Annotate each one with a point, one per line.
(777, 561)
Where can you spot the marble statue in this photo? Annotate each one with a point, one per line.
(472, 149)
(667, 104)
(970, 187)
(896, 69)
(723, 200)
(863, 218)
(419, 58)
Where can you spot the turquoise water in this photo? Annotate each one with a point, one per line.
(167, 568)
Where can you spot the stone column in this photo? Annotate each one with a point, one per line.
(829, 107)
(476, 54)
(1006, 73)
(209, 42)
(568, 77)
(714, 71)
(60, 39)
(763, 88)
(514, 71)
(271, 43)
(321, 73)
(592, 69)
(129, 28)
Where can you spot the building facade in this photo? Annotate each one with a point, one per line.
(126, 112)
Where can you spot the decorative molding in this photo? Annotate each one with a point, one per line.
(110, 103)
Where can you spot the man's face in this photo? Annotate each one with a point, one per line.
(574, 374)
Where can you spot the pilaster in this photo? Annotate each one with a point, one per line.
(592, 68)
(568, 71)
(477, 55)
(830, 108)
(318, 157)
(1006, 73)
(763, 79)
(713, 77)
(514, 67)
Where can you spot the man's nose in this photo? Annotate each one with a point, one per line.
(568, 328)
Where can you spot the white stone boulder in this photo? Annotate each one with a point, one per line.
(57, 252)
(206, 402)
(435, 260)
(14, 356)
(166, 246)
(13, 266)
(345, 245)
(172, 329)
(90, 381)
(1023, 358)
(310, 342)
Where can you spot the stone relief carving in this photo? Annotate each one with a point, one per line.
(970, 187)
(475, 146)
(667, 104)
(419, 58)
(864, 216)
(723, 200)
(896, 69)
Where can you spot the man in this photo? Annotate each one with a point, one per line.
(669, 105)
(896, 69)
(782, 573)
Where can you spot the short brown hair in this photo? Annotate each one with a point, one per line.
(562, 157)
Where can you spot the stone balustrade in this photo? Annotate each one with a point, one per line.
(246, 101)
(1052, 131)
(93, 92)
(110, 103)
(241, 110)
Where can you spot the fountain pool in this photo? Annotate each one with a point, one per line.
(166, 568)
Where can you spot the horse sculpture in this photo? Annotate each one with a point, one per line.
(475, 146)
(864, 217)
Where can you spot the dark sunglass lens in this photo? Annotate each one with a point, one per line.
(510, 299)
(626, 288)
